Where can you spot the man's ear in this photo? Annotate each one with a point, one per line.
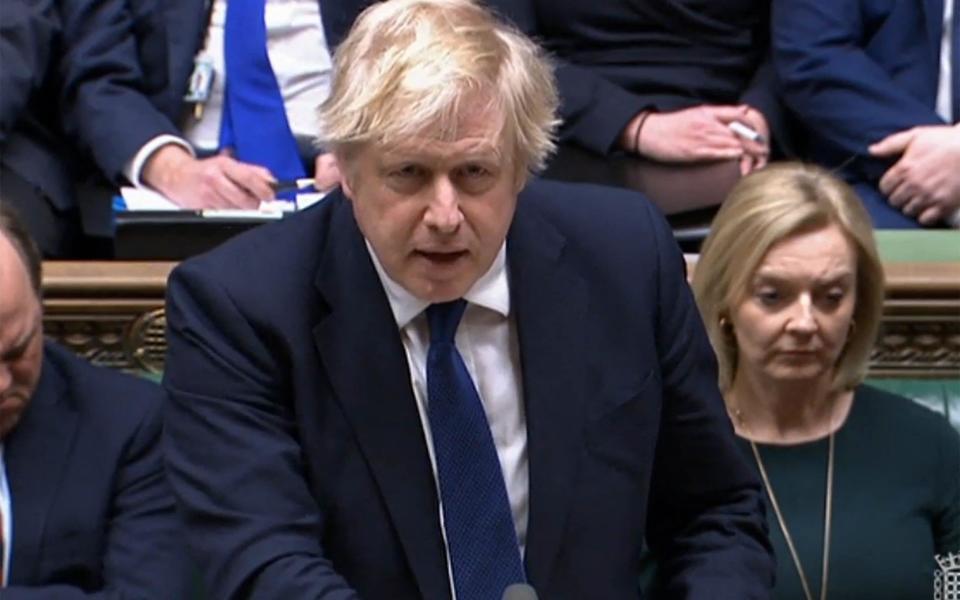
(520, 180)
(345, 185)
(345, 160)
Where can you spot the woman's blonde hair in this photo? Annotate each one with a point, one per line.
(409, 66)
(768, 207)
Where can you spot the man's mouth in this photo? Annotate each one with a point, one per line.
(443, 257)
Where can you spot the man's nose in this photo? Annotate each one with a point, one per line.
(444, 214)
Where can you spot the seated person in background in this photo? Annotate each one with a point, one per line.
(206, 105)
(85, 510)
(876, 86)
(863, 486)
(35, 163)
(662, 79)
(330, 431)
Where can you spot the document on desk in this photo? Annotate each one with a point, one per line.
(137, 199)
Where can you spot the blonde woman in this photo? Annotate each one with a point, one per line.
(863, 487)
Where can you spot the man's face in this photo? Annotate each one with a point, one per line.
(436, 211)
(21, 338)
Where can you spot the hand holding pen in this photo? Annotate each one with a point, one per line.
(754, 133)
(326, 176)
(696, 134)
(218, 181)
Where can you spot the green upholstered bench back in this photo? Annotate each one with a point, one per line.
(941, 395)
(918, 245)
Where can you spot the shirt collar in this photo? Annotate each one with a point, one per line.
(491, 291)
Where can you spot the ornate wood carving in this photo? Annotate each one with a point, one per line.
(112, 314)
(920, 332)
(108, 312)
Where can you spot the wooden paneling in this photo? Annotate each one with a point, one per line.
(920, 333)
(108, 312)
(112, 314)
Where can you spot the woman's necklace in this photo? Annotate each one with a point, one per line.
(828, 514)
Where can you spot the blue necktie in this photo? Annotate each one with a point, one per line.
(481, 539)
(254, 122)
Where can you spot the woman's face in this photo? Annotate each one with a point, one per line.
(796, 312)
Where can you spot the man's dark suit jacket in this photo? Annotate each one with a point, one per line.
(32, 146)
(92, 512)
(297, 455)
(126, 69)
(856, 71)
(618, 57)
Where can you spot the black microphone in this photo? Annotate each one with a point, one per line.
(519, 591)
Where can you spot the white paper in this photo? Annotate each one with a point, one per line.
(137, 199)
(143, 199)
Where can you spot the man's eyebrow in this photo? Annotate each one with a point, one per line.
(481, 147)
(22, 342)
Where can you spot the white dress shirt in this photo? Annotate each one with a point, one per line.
(487, 340)
(6, 508)
(945, 83)
(301, 61)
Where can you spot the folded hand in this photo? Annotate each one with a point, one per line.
(925, 180)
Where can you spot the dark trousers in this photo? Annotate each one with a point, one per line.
(884, 215)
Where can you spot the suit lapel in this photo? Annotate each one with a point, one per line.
(35, 455)
(550, 306)
(363, 355)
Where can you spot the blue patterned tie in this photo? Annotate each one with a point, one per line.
(481, 538)
(254, 121)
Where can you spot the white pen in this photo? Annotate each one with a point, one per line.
(746, 132)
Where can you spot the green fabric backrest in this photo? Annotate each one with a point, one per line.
(918, 246)
(941, 395)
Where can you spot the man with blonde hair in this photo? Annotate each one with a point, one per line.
(462, 380)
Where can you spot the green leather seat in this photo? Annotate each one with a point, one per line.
(941, 395)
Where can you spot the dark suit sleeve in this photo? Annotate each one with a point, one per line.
(762, 92)
(27, 32)
(106, 110)
(831, 83)
(144, 554)
(594, 110)
(234, 459)
(706, 522)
